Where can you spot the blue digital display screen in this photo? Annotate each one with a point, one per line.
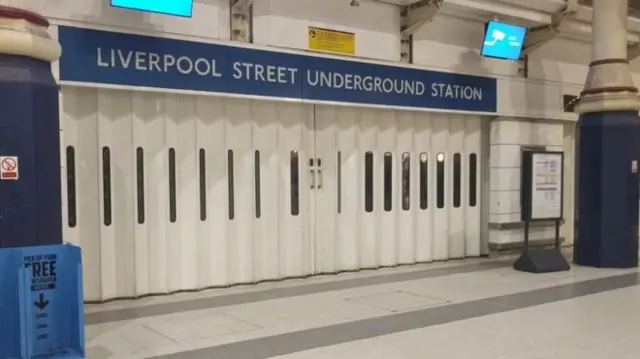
(170, 7)
(503, 41)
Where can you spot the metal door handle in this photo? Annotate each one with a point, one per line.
(313, 178)
(320, 178)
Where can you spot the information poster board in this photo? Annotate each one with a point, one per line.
(327, 40)
(544, 190)
(542, 200)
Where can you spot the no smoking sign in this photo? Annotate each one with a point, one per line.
(9, 168)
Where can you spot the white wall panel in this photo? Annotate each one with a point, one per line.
(454, 44)
(568, 140)
(368, 142)
(266, 235)
(505, 202)
(116, 246)
(406, 204)
(213, 261)
(151, 270)
(352, 198)
(457, 239)
(517, 97)
(210, 17)
(181, 229)
(505, 179)
(296, 249)
(506, 155)
(472, 214)
(513, 132)
(387, 213)
(440, 146)
(238, 134)
(80, 118)
(516, 235)
(326, 203)
(561, 60)
(139, 112)
(424, 216)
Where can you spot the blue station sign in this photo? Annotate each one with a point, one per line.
(102, 57)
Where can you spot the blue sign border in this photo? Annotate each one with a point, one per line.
(102, 57)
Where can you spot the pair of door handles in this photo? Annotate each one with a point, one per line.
(315, 169)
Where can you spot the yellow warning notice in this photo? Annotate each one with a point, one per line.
(332, 41)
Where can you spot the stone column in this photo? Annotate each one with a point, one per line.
(30, 191)
(608, 148)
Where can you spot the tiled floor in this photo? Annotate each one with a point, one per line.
(468, 309)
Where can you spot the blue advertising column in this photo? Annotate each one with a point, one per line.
(608, 148)
(30, 188)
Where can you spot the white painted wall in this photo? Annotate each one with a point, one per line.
(281, 23)
(453, 43)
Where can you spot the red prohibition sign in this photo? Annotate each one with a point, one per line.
(9, 164)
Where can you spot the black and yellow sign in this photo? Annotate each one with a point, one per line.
(332, 41)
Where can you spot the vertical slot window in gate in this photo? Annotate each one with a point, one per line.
(232, 205)
(424, 180)
(368, 181)
(457, 180)
(295, 183)
(406, 181)
(440, 180)
(140, 183)
(388, 181)
(256, 160)
(71, 187)
(202, 171)
(173, 203)
(106, 184)
(339, 172)
(473, 169)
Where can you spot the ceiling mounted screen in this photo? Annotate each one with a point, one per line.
(169, 7)
(503, 41)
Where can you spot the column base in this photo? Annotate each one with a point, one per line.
(607, 193)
